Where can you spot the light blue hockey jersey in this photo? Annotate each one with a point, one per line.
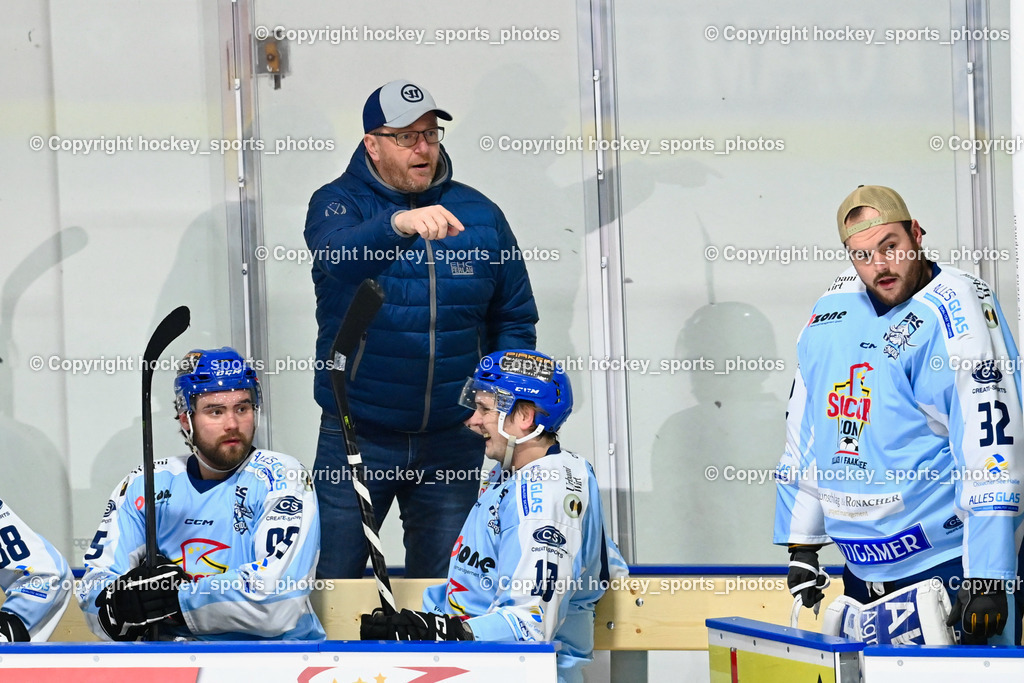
(533, 559)
(250, 544)
(904, 432)
(35, 577)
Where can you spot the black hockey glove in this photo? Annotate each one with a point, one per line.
(410, 625)
(805, 576)
(140, 597)
(12, 629)
(981, 608)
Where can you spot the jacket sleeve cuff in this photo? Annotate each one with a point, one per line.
(395, 228)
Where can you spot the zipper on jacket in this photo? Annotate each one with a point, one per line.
(433, 332)
(433, 325)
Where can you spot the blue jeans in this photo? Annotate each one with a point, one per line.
(951, 574)
(435, 476)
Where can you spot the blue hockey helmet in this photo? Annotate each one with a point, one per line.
(206, 371)
(522, 374)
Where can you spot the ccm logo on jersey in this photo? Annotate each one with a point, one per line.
(289, 505)
(199, 522)
(549, 535)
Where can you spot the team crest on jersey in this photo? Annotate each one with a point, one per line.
(494, 524)
(196, 561)
(849, 403)
(898, 336)
(242, 513)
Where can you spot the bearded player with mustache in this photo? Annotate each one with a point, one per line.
(904, 440)
(238, 532)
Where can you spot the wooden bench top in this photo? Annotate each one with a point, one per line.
(643, 613)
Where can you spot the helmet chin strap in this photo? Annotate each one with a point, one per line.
(512, 441)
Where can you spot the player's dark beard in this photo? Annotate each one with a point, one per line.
(909, 284)
(221, 456)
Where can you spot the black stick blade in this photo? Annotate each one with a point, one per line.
(361, 312)
(169, 329)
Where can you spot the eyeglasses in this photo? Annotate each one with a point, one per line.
(410, 137)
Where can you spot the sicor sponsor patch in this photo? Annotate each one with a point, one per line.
(859, 506)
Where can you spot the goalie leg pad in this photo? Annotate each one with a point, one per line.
(913, 615)
(842, 618)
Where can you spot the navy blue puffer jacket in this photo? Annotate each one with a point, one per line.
(447, 302)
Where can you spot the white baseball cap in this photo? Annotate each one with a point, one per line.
(398, 104)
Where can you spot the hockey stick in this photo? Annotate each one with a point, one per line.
(169, 329)
(365, 304)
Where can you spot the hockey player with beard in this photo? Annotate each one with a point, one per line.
(904, 430)
(238, 532)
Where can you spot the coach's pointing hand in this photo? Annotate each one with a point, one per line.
(429, 222)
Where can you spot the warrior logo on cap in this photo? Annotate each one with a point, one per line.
(411, 93)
